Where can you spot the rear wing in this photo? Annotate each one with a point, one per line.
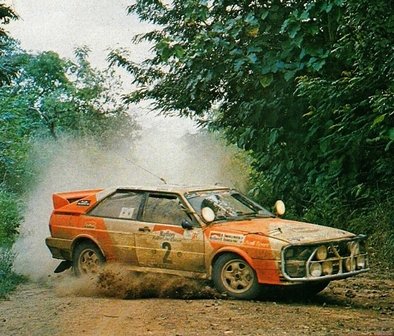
(63, 198)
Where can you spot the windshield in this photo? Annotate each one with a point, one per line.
(226, 204)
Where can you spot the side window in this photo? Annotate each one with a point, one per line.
(122, 204)
(164, 209)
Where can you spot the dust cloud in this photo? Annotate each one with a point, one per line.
(116, 282)
(68, 164)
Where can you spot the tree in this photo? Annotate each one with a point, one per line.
(281, 78)
(6, 70)
(52, 96)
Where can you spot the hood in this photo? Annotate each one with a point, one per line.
(292, 232)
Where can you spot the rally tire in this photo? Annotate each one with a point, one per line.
(87, 259)
(234, 277)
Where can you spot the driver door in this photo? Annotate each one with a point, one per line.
(162, 242)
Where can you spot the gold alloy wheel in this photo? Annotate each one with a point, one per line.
(88, 261)
(237, 276)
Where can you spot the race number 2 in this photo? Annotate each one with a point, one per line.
(167, 247)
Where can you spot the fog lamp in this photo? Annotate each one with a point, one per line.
(350, 264)
(360, 262)
(327, 267)
(315, 270)
(353, 247)
(321, 252)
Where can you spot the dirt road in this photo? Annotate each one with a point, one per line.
(67, 306)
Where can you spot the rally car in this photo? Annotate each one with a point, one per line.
(211, 233)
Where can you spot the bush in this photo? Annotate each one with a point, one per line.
(378, 223)
(8, 279)
(10, 217)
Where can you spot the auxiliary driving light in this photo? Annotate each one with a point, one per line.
(360, 262)
(353, 247)
(321, 252)
(350, 264)
(315, 270)
(327, 267)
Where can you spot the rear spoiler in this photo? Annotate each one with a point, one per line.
(64, 198)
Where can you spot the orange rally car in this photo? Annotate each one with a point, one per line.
(200, 232)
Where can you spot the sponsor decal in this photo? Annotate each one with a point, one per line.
(257, 243)
(83, 203)
(168, 236)
(189, 234)
(226, 237)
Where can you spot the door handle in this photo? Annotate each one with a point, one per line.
(144, 229)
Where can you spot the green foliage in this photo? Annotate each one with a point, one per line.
(6, 15)
(53, 95)
(8, 279)
(10, 217)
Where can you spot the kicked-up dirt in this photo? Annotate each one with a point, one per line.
(115, 303)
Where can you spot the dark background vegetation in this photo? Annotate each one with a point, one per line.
(304, 87)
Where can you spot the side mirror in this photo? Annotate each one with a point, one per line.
(187, 225)
(207, 214)
(280, 208)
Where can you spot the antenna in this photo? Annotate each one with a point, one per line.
(146, 170)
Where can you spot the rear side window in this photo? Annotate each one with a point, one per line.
(122, 204)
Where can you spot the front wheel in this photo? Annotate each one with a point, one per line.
(87, 258)
(233, 276)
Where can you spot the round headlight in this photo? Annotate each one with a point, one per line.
(350, 264)
(360, 260)
(321, 252)
(353, 247)
(327, 267)
(315, 269)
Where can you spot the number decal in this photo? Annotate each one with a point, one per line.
(166, 258)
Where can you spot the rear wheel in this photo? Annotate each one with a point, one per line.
(235, 277)
(87, 258)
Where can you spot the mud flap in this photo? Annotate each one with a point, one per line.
(65, 264)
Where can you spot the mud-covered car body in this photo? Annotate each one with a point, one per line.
(165, 230)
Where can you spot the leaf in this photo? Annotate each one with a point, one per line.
(289, 75)
(378, 120)
(238, 64)
(266, 80)
(391, 133)
(304, 15)
(252, 58)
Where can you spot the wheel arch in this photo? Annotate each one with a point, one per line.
(85, 239)
(230, 250)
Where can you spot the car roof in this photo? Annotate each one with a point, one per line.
(181, 189)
